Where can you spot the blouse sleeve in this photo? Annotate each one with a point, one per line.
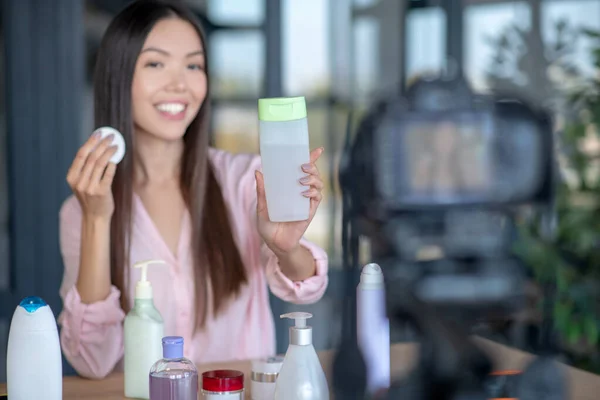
(91, 334)
(311, 290)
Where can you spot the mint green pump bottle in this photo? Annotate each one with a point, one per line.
(143, 331)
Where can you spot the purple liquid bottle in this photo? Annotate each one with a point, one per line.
(173, 377)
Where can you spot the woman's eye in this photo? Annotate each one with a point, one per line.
(196, 67)
(152, 64)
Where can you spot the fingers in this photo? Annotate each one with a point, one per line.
(315, 154)
(109, 174)
(313, 194)
(100, 167)
(315, 199)
(261, 201)
(310, 169)
(96, 156)
(312, 180)
(92, 163)
(80, 159)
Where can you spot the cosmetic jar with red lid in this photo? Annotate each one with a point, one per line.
(223, 384)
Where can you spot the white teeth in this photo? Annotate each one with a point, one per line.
(171, 108)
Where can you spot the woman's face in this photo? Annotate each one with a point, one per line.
(169, 83)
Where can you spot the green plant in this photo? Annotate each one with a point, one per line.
(569, 260)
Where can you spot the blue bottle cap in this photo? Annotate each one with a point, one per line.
(172, 347)
(32, 303)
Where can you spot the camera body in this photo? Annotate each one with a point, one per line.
(441, 146)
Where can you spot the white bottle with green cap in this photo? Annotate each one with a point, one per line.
(284, 148)
(144, 330)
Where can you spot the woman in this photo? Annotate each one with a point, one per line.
(174, 198)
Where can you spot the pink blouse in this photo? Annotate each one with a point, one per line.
(92, 334)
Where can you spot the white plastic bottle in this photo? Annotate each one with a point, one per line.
(373, 328)
(284, 148)
(301, 376)
(144, 330)
(33, 362)
(263, 377)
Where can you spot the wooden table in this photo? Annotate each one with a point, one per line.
(584, 385)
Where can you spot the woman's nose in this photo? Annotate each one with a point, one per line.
(177, 81)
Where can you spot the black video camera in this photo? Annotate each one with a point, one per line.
(435, 179)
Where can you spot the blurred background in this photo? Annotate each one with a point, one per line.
(341, 55)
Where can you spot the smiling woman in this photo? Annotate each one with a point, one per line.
(174, 198)
(179, 70)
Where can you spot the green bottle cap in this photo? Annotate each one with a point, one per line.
(281, 109)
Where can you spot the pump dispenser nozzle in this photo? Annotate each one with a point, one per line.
(300, 333)
(143, 289)
(301, 375)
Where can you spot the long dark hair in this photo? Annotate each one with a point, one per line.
(218, 267)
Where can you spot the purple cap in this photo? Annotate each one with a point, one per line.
(172, 347)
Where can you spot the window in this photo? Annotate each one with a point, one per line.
(365, 57)
(237, 63)
(426, 42)
(305, 44)
(561, 20)
(484, 26)
(321, 228)
(244, 12)
(235, 128)
(365, 3)
(506, 50)
(337, 129)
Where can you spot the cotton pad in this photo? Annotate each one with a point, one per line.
(118, 140)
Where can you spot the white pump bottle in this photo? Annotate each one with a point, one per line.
(144, 330)
(301, 376)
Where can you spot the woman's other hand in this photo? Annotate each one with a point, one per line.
(284, 237)
(91, 175)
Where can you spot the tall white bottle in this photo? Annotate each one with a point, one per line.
(144, 330)
(33, 361)
(284, 147)
(373, 328)
(301, 376)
